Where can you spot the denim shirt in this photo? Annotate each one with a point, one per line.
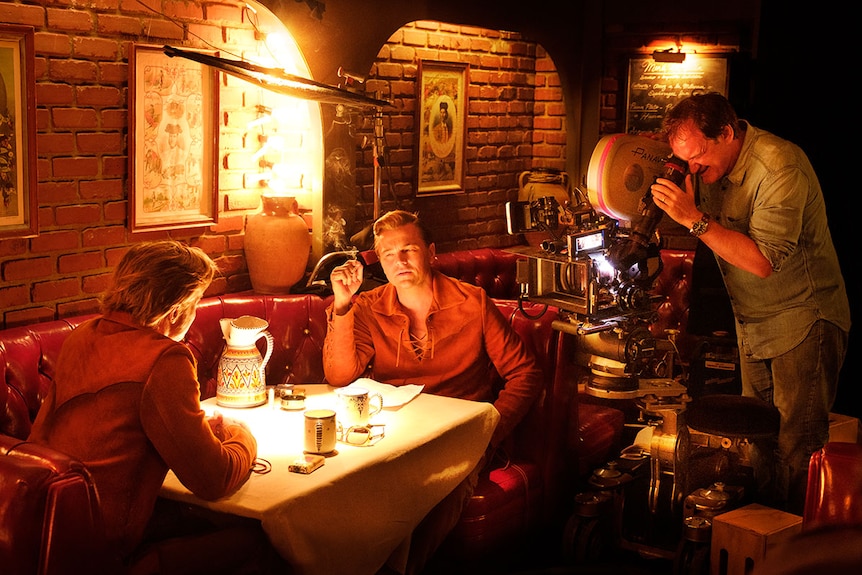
(772, 195)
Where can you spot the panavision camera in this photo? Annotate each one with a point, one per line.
(602, 253)
(570, 269)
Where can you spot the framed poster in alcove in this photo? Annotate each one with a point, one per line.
(173, 141)
(655, 87)
(441, 118)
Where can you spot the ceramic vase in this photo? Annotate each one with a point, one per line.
(277, 245)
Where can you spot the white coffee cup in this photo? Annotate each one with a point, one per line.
(320, 431)
(356, 405)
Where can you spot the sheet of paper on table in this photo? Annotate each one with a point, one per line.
(393, 396)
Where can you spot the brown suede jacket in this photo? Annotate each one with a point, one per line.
(126, 402)
(467, 337)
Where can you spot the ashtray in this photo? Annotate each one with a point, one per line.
(293, 399)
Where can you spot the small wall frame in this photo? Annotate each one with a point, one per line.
(18, 202)
(441, 116)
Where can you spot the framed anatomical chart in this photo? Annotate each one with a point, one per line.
(173, 141)
(18, 204)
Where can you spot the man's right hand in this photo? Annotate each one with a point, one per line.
(219, 424)
(345, 280)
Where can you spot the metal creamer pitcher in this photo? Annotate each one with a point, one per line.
(241, 379)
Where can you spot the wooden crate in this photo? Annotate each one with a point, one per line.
(742, 538)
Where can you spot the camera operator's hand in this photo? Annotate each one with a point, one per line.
(346, 280)
(677, 203)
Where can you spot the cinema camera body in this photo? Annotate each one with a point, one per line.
(600, 259)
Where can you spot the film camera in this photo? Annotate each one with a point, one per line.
(597, 266)
(602, 252)
(601, 257)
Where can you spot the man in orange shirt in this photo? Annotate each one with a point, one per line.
(428, 329)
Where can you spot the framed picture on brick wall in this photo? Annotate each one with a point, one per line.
(18, 203)
(173, 141)
(441, 120)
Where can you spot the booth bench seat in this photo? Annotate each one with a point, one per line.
(534, 477)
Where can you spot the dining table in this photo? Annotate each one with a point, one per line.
(357, 512)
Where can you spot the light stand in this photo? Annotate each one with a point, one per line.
(377, 149)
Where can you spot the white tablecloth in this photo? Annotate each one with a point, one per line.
(358, 510)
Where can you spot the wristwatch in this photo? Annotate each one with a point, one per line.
(699, 227)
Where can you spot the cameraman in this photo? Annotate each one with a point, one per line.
(755, 201)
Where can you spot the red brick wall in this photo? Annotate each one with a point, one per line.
(516, 123)
(82, 115)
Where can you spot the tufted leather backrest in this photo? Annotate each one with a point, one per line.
(673, 285)
(49, 513)
(489, 268)
(28, 357)
(834, 486)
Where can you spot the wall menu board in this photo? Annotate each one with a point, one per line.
(654, 87)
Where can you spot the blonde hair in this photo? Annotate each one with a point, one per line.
(397, 218)
(155, 279)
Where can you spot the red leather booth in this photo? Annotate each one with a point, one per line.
(831, 537)
(50, 520)
(561, 441)
(834, 492)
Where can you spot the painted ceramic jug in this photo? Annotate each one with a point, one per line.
(542, 182)
(539, 183)
(241, 379)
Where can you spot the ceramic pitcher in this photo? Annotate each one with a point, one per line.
(542, 182)
(539, 183)
(241, 379)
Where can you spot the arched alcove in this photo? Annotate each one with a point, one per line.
(514, 121)
(271, 143)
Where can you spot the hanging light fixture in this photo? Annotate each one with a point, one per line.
(280, 81)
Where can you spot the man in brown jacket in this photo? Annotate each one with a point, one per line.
(126, 400)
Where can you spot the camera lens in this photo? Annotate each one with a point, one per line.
(553, 246)
(675, 170)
